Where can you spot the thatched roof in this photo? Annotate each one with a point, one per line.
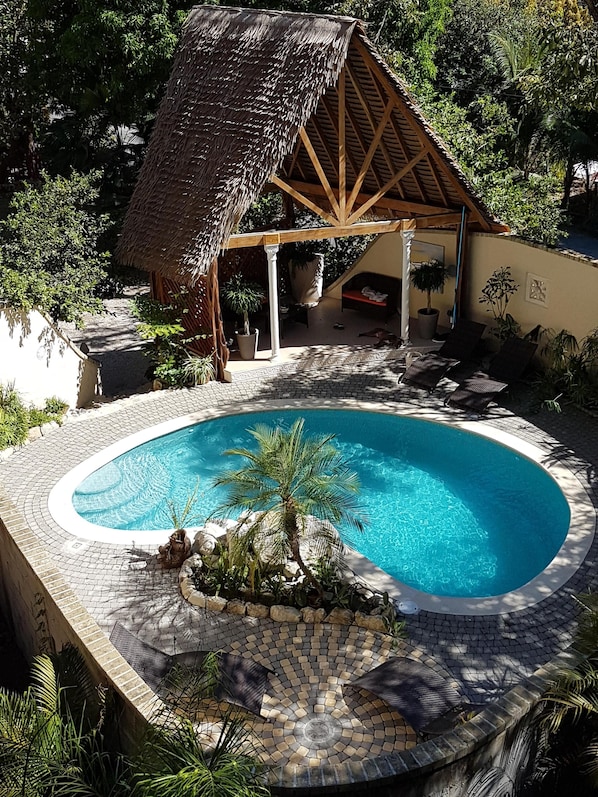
(243, 86)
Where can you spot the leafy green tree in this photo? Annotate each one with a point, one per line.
(529, 205)
(15, 101)
(49, 253)
(297, 487)
(106, 60)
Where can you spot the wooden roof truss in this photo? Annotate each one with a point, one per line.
(365, 163)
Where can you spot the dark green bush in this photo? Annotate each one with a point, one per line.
(14, 418)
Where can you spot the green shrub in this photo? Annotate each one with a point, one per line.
(14, 418)
(55, 406)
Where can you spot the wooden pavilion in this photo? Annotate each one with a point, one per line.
(301, 103)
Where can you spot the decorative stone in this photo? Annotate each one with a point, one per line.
(216, 528)
(189, 566)
(285, 614)
(176, 550)
(197, 598)
(291, 570)
(236, 607)
(309, 615)
(49, 427)
(340, 616)
(215, 603)
(187, 588)
(35, 433)
(372, 623)
(258, 610)
(204, 543)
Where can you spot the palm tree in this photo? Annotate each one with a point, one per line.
(176, 762)
(52, 737)
(294, 488)
(568, 762)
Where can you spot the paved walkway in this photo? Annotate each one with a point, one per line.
(483, 655)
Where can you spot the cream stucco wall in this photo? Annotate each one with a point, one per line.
(42, 362)
(570, 282)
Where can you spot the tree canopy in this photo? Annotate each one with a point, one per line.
(518, 81)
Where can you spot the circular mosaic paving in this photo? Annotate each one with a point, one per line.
(310, 713)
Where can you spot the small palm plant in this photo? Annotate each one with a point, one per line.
(294, 488)
(242, 297)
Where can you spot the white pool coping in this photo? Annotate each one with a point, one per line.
(568, 559)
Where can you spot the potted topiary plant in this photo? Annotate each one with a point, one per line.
(427, 277)
(243, 297)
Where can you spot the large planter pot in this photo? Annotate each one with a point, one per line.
(427, 323)
(248, 344)
(307, 280)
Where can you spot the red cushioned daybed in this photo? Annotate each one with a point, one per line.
(354, 299)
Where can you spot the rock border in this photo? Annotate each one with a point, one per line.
(277, 612)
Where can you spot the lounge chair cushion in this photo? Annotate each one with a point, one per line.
(242, 682)
(417, 692)
(427, 371)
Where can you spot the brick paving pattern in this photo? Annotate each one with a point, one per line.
(308, 716)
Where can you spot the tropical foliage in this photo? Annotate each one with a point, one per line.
(52, 737)
(50, 255)
(60, 738)
(16, 419)
(571, 373)
(567, 761)
(161, 326)
(292, 491)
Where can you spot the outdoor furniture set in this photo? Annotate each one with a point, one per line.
(478, 390)
(429, 703)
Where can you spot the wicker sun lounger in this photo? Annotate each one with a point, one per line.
(242, 682)
(427, 371)
(509, 365)
(428, 702)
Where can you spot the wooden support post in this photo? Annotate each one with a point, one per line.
(221, 351)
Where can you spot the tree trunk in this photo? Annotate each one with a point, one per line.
(292, 534)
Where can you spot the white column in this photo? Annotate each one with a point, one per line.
(407, 236)
(271, 252)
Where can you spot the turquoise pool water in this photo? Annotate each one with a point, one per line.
(451, 513)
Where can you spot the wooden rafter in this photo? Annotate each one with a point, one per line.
(382, 79)
(359, 137)
(313, 156)
(334, 122)
(399, 136)
(386, 187)
(367, 110)
(295, 163)
(304, 200)
(342, 150)
(385, 202)
(437, 180)
(370, 154)
(325, 144)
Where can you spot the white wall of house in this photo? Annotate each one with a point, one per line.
(558, 290)
(42, 362)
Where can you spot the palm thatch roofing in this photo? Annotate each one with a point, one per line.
(303, 102)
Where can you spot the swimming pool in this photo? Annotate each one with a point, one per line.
(452, 513)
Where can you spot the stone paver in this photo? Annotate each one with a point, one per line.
(308, 716)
